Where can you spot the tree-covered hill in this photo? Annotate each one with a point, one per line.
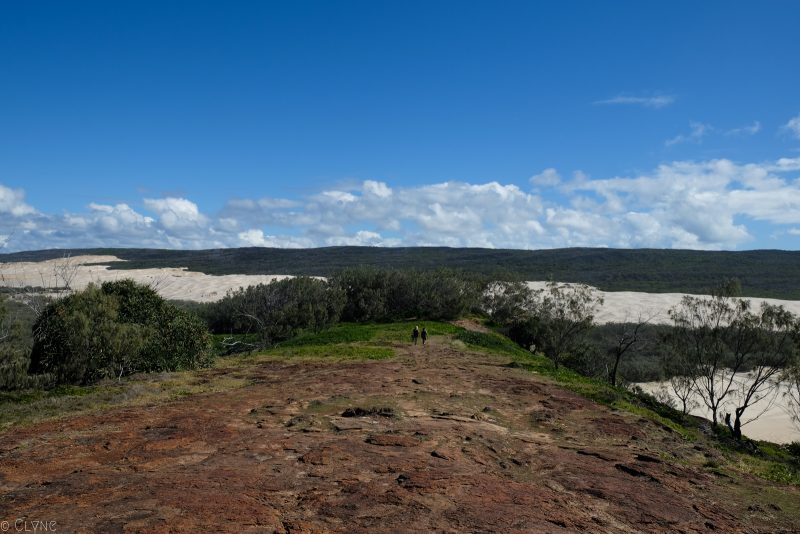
(764, 273)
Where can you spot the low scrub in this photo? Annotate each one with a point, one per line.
(115, 330)
(277, 311)
(391, 295)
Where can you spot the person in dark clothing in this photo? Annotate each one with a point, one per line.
(415, 335)
(424, 335)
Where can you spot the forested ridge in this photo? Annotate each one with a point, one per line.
(762, 273)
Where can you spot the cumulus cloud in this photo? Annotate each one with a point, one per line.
(547, 178)
(176, 213)
(379, 189)
(682, 204)
(255, 237)
(363, 238)
(12, 202)
(793, 127)
(654, 102)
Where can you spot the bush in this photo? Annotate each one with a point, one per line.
(554, 320)
(117, 329)
(378, 295)
(14, 351)
(278, 310)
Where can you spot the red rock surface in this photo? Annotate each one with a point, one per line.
(473, 446)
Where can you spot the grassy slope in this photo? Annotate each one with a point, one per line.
(764, 273)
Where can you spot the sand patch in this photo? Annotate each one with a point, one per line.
(622, 306)
(171, 283)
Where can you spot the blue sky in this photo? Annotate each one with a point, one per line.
(500, 124)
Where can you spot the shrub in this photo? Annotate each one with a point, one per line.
(554, 320)
(278, 310)
(385, 295)
(117, 329)
(14, 354)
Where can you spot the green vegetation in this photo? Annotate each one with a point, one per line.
(763, 273)
(115, 330)
(719, 334)
(374, 332)
(491, 342)
(16, 322)
(555, 320)
(389, 295)
(276, 311)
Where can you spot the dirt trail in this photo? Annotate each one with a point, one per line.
(439, 440)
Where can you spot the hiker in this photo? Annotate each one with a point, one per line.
(415, 334)
(424, 335)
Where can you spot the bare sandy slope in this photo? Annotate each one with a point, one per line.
(470, 445)
(767, 419)
(171, 283)
(622, 306)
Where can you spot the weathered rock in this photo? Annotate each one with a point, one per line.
(553, 462)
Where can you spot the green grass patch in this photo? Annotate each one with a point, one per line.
(31, 395)
(783, 473)
(491, 342)
(773, 469)
(381, 332)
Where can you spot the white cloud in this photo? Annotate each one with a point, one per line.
(176, 213)
(784, 165)
(793, 126)
(362, 238)
(684, 204)
(547, 178)
(698, 131)
(12, 202)
(655, 101)
(111, 219)
(379, 189)
(256, 238)
(339, 197)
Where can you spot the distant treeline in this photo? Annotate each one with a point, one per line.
(762, 273)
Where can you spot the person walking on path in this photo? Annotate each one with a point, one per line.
(424, 335)
(415, 335)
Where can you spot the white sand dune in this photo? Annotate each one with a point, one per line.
(622, 306)
(171, 283)
(767, 419)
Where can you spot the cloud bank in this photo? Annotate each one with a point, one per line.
(716, 204)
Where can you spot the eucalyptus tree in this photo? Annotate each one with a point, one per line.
(719, 337)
